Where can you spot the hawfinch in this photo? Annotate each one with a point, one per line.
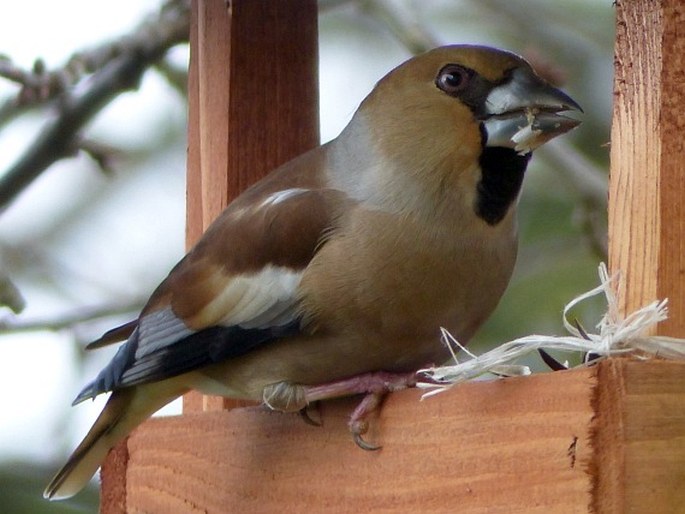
(333, 275)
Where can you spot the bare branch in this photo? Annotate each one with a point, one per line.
(70, 319)
(586, 177)
(125, 62)
(328, 5)
(177, 78)
(590, 183)
(406, 29)
(104, 155)
(10, 296)
(40, 85)
(10, 71)
(593, 223)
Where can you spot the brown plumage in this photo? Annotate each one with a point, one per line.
(346, 261)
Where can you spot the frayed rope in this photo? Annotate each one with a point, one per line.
(616, 335)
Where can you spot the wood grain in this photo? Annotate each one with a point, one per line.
(647, 183)
(638, 440)
(639, 463)
(194, 203)
(608, 439)
(253, 105)
(113, 477)
(508, 446)
(671, 268)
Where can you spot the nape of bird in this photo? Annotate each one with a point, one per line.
(333, 275)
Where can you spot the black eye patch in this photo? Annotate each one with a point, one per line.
(468, 86)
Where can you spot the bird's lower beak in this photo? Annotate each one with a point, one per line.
(525, 113)
(526, 130)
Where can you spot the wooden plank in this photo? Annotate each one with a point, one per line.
(113, 480)
(638, 461)
(611, 437)
(647, 183)
(253, 105)
(508, 446)
(639, 465)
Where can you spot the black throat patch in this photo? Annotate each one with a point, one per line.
(502, 171)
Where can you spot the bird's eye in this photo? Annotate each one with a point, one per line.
(453, 78)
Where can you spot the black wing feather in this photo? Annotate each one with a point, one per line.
(198, 349)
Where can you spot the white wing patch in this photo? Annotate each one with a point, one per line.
(260, 300)
(265, 298)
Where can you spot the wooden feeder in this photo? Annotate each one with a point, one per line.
(606, 439)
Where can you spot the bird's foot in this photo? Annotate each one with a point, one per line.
(376, 385)
(286, 396)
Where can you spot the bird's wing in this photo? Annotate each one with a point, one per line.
(114, 335)
(236, 290)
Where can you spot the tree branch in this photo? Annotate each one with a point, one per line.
(133, 55)
(590, 184)
(10, 296)
(405, 28)
(70, 319)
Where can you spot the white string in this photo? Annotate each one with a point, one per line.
(615, 335)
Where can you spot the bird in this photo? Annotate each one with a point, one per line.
(333, 275)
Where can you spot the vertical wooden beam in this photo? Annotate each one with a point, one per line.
(194, 203)
(253, 105)
(647, 182)
(639, 432)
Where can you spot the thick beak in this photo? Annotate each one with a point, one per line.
(524, 113)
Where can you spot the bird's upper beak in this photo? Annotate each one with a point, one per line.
(525, 112)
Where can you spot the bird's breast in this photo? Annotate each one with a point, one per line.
(396, 281)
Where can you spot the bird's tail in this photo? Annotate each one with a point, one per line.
(125, 410)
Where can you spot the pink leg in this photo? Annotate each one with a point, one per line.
(376, 385)
(374, 382)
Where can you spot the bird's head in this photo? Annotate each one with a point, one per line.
(446, 114)
(454, 89)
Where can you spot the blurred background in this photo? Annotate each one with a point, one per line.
(101, 222)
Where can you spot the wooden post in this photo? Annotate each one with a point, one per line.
(647, 186)
(253, 105)
(640, 465)
(608, 439)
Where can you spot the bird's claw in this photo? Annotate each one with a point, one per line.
(358, 429)
(359, 423)
(305, 414)
(358, 426)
